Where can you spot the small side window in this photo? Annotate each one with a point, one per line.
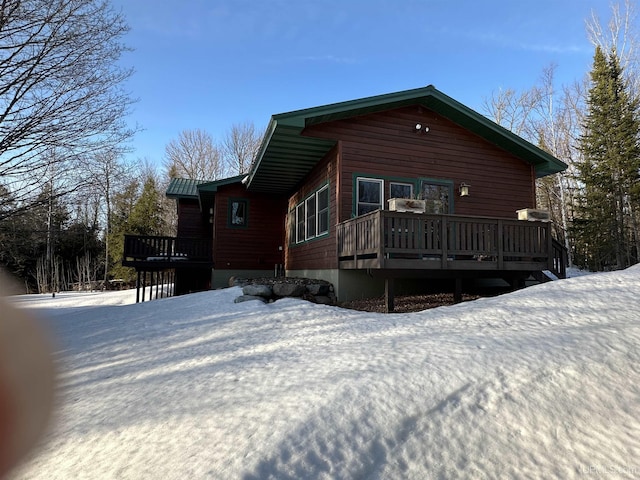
(238, 212)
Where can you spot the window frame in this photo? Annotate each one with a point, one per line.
(440, 183)
(307, 217)
(404, 184)
(300, 223)
(322, 212)
(380, 182)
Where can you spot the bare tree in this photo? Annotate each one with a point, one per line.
(60, 90)
(240, 147)
(619, 34)
(193, 155)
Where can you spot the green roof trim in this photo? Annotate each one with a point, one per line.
(200, 190)
(213, 186)
(286, 157)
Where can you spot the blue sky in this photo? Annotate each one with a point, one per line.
(208, 64)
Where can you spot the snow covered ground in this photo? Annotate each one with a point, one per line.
(541, 383)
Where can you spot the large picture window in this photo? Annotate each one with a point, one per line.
(312, 216)
(370, 196)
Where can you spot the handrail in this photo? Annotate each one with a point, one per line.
(155, 248)
(384, 235)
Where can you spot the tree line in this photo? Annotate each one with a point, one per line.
(593, 126)
(68, 195)
(67, 192)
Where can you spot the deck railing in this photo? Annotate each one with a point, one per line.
(388, 239)
(141, 248)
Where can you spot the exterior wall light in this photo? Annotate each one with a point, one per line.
(464, 189)
(421, 128)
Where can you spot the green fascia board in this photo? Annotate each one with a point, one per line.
(213, 186)
(286, 156)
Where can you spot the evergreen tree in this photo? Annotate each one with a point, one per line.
(604, 226)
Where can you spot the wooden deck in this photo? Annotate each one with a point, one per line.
(387, 240)
(158, 253)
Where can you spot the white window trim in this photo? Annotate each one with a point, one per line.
(379, 181)
(314, 214)
(318, 212)
(300, 208)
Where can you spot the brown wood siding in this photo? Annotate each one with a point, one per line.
(255, 246)
(320, 252)
(191, 222)
(386, 144)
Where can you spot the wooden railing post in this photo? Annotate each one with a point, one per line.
(550, 252)
(380, 233)
(500, 245)
(445, 241)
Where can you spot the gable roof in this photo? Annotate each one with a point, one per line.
(286, 157)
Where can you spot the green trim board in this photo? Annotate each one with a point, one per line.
(286, 156)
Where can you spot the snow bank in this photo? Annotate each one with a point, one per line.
(541, 383)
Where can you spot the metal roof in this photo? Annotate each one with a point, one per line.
(286, 157)
(183, 188)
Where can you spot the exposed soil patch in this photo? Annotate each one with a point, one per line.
(406, 303)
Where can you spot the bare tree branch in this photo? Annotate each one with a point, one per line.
(193, 155)
(60, 91)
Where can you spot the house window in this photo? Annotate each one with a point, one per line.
(312, 216)
(300, 223)
(400, 190)
(310, 207)
(238, 212)
(370, 195)
(437, 196)
(322, 204)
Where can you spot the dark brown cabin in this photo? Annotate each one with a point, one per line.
(376, 193)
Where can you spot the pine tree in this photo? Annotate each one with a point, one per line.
(603, 227)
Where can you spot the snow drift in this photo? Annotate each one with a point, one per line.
(540, 383)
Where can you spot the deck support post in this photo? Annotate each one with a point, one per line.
(138, 287)
(388, 295)
(457, 291)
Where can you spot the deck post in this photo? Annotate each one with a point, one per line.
(388, 295)
(500, 245)
(444, 242)
(138, 287)
(457, 291)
